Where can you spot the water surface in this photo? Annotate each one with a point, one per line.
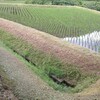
(90, 41)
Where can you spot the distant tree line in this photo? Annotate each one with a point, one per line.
(92, 4)
(55, 2)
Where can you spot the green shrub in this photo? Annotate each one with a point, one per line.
(92, 5)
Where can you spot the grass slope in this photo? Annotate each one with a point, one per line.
(58, 21)
(45, 64)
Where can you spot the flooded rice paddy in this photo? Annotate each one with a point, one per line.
(90, 41)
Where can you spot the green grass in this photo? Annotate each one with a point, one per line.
(58, 21)
(12, 1)
(46, 64)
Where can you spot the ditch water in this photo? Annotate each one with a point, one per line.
(90, 41)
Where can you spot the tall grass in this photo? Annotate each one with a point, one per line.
(44, 64)
(58, 21)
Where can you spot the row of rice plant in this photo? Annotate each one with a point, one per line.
(60, 22)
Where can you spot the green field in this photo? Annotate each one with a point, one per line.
(12, 1)
(58, 21)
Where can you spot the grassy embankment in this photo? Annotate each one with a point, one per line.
(58, 21)
(44, 64)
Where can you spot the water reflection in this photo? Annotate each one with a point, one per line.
(91, 41)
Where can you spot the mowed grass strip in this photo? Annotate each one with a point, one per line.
(58, 21)
(44, 64)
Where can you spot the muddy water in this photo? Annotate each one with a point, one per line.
(90, 41)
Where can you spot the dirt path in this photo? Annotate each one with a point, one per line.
(28, 85)
(86, 60)
(93, 89)
(5, 92)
